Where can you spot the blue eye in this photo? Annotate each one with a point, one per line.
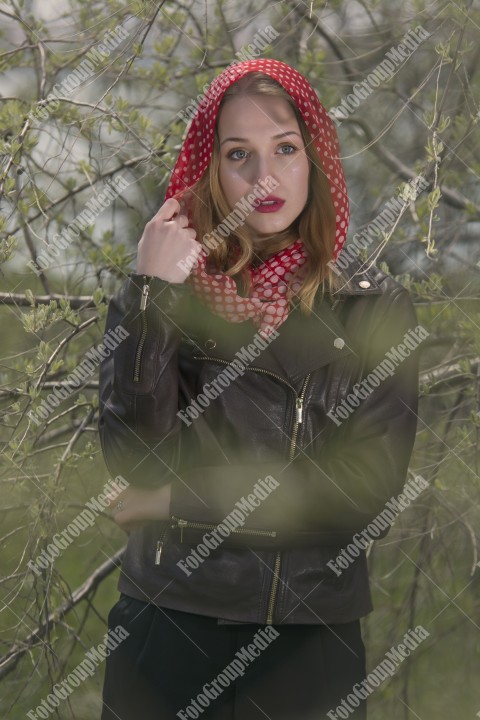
(288, 146)
(231, 154)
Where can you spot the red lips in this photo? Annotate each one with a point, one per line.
(271, 203)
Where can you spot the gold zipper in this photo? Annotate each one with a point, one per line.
(207, 526)
(273, 590)
(298, 420)
(278, 557)
(143, 335)
(298, 398)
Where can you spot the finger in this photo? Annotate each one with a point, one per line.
(169, 209)
(111, 499)
(122, 522)
(182, 220)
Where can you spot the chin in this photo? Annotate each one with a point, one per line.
(269, 229)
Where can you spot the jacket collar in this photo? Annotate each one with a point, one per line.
(359, 279)
(304, 342)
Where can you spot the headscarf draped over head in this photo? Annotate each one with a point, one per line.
(266, 305)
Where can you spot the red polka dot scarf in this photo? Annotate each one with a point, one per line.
(266, 305)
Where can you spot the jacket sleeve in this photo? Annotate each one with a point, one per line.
(360, 468)
(138, 382)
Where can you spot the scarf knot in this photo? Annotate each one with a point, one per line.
(266, 304)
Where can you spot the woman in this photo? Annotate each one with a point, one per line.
(223, 410)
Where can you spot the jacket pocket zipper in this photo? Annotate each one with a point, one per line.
(143, 334)
(179, 522)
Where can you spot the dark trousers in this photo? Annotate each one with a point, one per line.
(175, 664)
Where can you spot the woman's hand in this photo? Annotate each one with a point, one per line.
(134, 506)
(167, 248)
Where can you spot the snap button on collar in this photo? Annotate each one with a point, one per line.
(364, 284)
(339, 343)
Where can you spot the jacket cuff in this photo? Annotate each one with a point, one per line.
(159, 299)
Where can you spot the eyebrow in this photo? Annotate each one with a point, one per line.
(274, 137)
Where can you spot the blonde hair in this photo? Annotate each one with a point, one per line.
(316, 225)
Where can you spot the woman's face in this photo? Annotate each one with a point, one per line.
(266, 142)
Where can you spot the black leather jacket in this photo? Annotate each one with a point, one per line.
(333, 477)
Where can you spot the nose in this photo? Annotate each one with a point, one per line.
(263, 167)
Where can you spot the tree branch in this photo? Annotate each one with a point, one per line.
(11, 659)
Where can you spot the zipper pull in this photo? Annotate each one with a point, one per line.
(158, 552)
(145, 291)
(299, 409)
(181, 524)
